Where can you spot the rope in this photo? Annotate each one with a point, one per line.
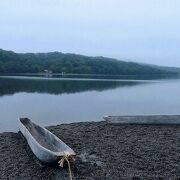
(61, 164)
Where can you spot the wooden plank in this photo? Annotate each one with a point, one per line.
(155, 119)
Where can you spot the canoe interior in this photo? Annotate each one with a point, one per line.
(44, 138)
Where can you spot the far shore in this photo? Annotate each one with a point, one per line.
(96, 75)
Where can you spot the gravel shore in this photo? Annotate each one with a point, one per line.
(105, 151)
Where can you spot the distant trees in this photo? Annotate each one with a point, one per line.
(11, 62)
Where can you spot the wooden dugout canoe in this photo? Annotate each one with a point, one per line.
(47, 147)
(153, 119)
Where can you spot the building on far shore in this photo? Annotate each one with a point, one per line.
(47, 71)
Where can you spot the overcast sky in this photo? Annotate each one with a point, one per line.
(139, 30)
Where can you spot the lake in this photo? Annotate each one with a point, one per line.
(55, 100)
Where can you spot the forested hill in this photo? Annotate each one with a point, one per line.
(11, 62)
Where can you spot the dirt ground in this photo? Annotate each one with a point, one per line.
(104, 151)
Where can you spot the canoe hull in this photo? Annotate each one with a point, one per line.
(153, 119)
(44, 154)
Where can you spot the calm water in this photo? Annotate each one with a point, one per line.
(52, 101)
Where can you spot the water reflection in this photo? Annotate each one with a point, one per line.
(10, 86)
(50, 101)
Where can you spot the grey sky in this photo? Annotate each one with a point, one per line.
(138, 30)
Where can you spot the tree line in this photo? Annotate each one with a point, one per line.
(11, 62)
